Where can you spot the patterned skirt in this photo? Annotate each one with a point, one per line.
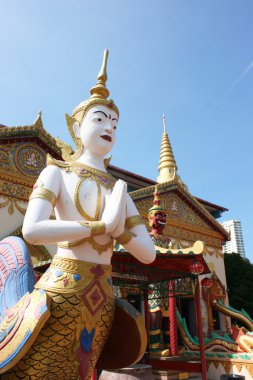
(82, 312)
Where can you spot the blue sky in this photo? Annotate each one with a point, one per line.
(191, 59)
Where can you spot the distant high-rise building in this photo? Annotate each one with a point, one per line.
(236, 243)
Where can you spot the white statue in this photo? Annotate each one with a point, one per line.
(91, 210)
(110, 206)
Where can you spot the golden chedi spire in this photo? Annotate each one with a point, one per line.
(167, 165)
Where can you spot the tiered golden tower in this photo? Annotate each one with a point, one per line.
(167, 165)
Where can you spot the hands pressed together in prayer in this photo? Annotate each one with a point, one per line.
(114, 214)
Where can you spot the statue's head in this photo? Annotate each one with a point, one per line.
(96, 132)
(94, 121)
(157, 216)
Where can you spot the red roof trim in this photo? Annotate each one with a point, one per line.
(211, 204)
(137, 176)
(151, 182)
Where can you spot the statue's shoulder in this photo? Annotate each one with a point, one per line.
(58, 163)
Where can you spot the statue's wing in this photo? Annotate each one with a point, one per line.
(21, 326)
(16, 272)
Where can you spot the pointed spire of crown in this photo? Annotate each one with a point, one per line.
(167, 165)
(99, 94)
(100, 90)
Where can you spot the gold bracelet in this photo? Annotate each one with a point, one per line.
(133, 221)
(125, 237)
(41, 192)
(96, 228)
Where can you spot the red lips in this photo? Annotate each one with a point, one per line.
(106, 137)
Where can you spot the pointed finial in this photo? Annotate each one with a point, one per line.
(156, 200)
(164, 123)
(38, 117)
(167, 165)
(102, 75)
(100, 90)
(38, 121)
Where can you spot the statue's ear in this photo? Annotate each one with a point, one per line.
(77, 129)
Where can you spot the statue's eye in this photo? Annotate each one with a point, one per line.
(114, 127)
(99, 119)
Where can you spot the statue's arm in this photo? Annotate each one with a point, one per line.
(140, 244)
(38, 228)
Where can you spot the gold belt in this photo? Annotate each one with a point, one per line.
(67, 275)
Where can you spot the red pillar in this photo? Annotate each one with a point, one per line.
(200, 332)
(94, 375)
(173, 321)
(146, 318)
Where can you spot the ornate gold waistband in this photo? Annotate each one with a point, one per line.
(69, 275)
(73, 265)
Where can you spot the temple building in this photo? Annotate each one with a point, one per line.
(23, 151)
(23, 155)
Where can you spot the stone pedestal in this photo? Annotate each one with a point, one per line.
(135, 372)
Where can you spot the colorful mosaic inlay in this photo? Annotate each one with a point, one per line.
(29, 159)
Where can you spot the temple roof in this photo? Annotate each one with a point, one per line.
(33, 132)
(178, 187)
(137, 182)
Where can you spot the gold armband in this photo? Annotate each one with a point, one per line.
(41, 192)
(133, 221)
(125, 237)
(97, 227)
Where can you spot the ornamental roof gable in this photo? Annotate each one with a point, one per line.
(26, 133)
(23, 151)
(183, 209)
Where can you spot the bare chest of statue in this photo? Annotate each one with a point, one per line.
(82, 197)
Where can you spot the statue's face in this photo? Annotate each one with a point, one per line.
(158, 220)
(98, 129)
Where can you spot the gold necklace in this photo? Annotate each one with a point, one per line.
(100, 177)
(82, 170)
(78, 203)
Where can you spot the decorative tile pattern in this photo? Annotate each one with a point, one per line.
(94, 297)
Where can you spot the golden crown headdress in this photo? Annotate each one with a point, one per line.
(99, 94)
